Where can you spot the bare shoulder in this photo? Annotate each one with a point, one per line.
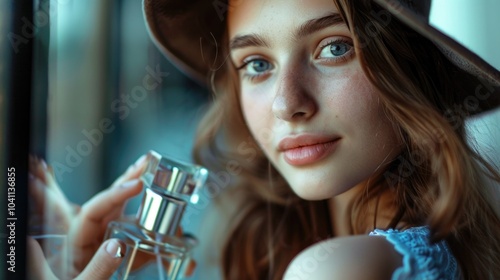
(355, 257)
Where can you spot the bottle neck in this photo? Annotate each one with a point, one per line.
(160, 213)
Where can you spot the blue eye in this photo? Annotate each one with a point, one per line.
(339, 49)
(257, 66)
(254, 68)
(335, 49)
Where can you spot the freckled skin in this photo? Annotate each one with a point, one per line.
(304, 95)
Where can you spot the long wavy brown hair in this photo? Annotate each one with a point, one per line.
(438, 180)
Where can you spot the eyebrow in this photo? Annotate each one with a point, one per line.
(307, 28)
(249, 40)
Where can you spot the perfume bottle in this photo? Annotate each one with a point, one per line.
(154, 251)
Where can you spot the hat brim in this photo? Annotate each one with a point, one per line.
(418, 18)
(190, 35)
(419, 21)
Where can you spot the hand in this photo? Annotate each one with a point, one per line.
(85, 226)
(102, 266)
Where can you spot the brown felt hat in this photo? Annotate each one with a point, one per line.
(190, 34)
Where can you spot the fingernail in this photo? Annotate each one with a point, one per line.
(114, 249)
(31, 177)
(136, 164)
(140, 160)
(129, 184)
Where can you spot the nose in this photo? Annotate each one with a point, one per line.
(293, 101)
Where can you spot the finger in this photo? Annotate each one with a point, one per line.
(34, 167)
(38, 268)
(41, 171)
(191, 266)
(99, 208)
(49, 177)
(105, 261)
(36, 194)
(112, 216)
(55, 210)
(133, 172)
(110, 199)
(44, 196)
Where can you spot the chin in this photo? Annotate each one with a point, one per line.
(312, 192)
(324, 188)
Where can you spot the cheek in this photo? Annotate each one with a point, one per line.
(256, 112)
(360, 116)
(384, 142)
(352, 99)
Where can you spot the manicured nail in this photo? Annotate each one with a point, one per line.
(140, 160)
(129, 184)
(31, 177)
(114, 249)
(136, 164)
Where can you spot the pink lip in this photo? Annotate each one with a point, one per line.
(307, 149)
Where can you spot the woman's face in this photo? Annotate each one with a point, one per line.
(304, 96)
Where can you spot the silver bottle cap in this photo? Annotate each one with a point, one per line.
(160, 213)
(174, 178)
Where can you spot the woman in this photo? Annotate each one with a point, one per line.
(342, 122)
(375, 95)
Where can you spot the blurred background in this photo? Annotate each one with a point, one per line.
(111, 96)
(103, 95)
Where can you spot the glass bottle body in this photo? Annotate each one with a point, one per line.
(149, 255)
